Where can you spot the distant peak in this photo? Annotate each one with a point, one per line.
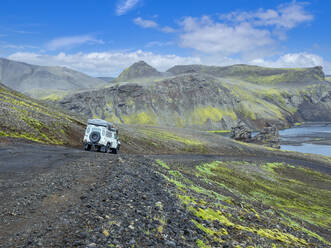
(139, 69)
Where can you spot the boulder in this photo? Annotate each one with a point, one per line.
(268, 136)
(241, 132)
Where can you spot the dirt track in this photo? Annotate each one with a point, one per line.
(49, 196)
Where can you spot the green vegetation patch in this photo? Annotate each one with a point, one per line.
(278, 185)
(202, 114)
(145, 117)
(22, 117)
(295, 200)
(219, 131)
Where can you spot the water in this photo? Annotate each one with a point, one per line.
(309, 138)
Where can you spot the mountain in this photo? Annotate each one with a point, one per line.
(41, 81)
(255, 74)
(24, 118)
(212, 98)
(137, 71)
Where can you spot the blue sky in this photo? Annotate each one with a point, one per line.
(102, 37)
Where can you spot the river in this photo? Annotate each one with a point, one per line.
(308, 138)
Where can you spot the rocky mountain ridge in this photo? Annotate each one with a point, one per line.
(256, 74)
(208, 98)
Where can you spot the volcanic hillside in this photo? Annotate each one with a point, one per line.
(25, 118)
(209, 97)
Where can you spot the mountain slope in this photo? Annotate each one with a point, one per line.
(39, 81)
(24, 118)
(201, 100)
(256, 74)
(137, 71)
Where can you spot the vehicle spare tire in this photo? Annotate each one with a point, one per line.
(95, 137)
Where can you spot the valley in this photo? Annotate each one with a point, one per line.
(176, 181)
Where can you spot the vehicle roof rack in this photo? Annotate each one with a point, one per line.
(102, 123)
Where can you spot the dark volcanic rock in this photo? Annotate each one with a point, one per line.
(241, 132)
(269, 136)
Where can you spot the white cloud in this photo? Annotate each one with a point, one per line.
(104, 63)
(242, 32)
(125, 5)
(70, 41)
(208, 36)
(295, 60)
(168, 29)
(284, 16)
(152, 24)
(145, 23)
(292, 60)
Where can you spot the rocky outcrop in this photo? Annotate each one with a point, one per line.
(268, 136)
(36, 80)
(138, 70)
(241, 132)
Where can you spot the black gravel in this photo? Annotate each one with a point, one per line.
(116, 201)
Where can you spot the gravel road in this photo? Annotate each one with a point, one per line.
(53, 196)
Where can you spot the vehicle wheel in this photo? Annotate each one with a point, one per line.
(114, 150)
(86, 147)
(106, 148)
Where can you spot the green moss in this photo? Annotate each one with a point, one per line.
(202, 114)
(54, 97)
(213, 215)
(163, 164)
(278, 185)
(219, 131)
(201, 244)
(140, 118)
(32, 120)
(175, 173)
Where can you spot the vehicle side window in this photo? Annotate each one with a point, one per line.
(88, 129)
(108, 134)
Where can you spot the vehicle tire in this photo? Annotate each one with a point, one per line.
(114, 150)
(106, 148)
(86, 147)
(95, 137)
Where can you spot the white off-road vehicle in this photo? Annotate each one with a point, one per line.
(101, 136)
